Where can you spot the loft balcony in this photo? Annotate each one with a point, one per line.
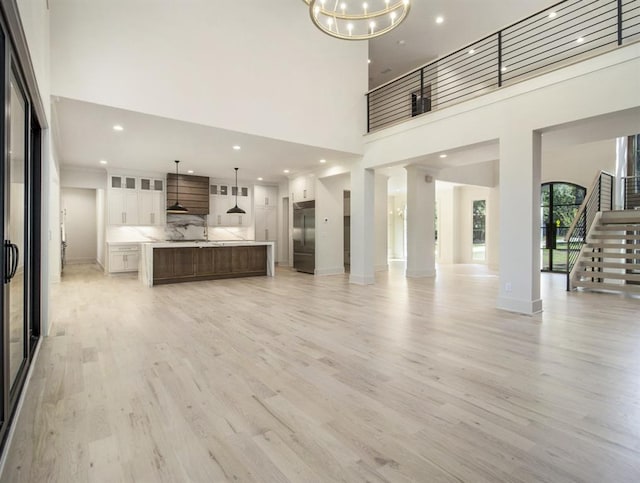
(568, 32)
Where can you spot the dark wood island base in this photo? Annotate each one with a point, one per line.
(188, 264)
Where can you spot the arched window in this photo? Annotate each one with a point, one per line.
(559, 204)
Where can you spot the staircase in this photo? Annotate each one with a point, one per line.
(610, 260)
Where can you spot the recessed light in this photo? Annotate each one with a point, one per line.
(286, 171)
(118, 127)
(504, 68)
(236, 147)
(401, 42)
(368, 61)
(103, 161)
(472, 51)
(552, 14)
(190, 171)
(322, 161)
(259, 179)
(443, 155)
(579, 40)
(440, 19)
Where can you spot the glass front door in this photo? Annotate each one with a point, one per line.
(560, 203)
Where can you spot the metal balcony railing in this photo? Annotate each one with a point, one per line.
(567, 32)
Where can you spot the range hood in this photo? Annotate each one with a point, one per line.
(177, 208)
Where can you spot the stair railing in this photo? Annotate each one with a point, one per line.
(600, 199)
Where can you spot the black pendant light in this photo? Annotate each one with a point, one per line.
(235, 209)
(177, 207)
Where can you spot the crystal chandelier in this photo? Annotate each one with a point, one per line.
(356, 20)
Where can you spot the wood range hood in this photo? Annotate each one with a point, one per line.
(192, 192)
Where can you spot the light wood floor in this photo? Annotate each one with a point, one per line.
(304, 379)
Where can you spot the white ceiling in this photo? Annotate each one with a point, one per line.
(84, 131)
(84, 136)
(465, 21)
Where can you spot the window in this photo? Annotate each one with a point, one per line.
(479, 230)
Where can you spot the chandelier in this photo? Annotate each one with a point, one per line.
(357, 20)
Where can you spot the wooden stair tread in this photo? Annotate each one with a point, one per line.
(617, 227)
(622, 266)
(633, 277)
(624, 256)
(613, 246)
(608, 286)
(614, 236)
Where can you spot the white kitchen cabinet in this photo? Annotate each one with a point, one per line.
(123, 182)
(265, 195)
(222, 198)
(266, 223)
(151, 202)
(123, 207)
(303, 188)
(123, 257)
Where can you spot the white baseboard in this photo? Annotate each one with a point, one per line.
(526, 307)
(361, 279)
(329, 271)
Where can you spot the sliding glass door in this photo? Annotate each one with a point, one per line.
(20, 200)
(14, 213)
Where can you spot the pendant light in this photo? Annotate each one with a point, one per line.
(177, 207)
(235, 209)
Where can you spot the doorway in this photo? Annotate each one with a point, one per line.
(80, 236)
(559, 204)
(346, 225)
(286, 237)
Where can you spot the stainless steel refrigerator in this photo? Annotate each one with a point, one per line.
(304, 236)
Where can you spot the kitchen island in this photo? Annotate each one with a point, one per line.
(174, 262)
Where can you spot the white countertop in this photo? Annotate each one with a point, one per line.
(203, 243)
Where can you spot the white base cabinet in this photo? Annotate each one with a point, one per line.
(123, 257)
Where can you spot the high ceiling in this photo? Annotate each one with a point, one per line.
(419, 39)
(84, 133)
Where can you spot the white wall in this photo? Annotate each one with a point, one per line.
(448, 224)
(579, 163)
(330, 224)
(477, 174)
(79, 209)
(34, 16)
(397, 209)
(223, 64)
(381, 223)
(74, 177)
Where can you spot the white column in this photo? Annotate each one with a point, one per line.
(362, 225)
(520, 222)
(421, 202)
